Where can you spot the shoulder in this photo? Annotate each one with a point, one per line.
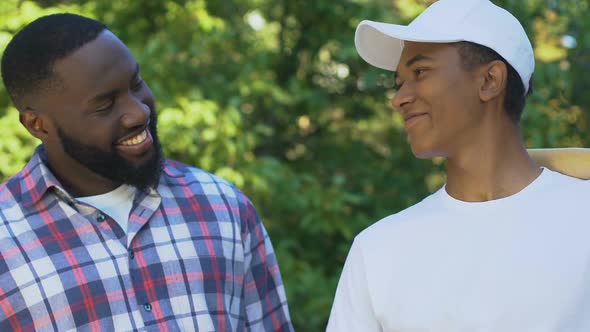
(400, 226)
(11, 193)
(15, 205)
(560, 185)
(184, 180)
(210, 194)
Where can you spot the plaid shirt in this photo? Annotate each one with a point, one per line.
(196, 258)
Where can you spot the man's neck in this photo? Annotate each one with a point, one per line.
(78, 180)
(495, 166)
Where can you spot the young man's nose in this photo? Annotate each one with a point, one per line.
(403, 97)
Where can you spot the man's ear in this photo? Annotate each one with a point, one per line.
(34, 123)
(495, 76)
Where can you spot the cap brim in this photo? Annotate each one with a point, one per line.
(381, 44)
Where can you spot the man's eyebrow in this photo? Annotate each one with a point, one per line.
(103, 96)
(110, 94)
(417, 58)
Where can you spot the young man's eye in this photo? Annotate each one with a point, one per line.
(420, 71)
(397, 85)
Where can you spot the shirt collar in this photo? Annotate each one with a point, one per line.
(37, 179)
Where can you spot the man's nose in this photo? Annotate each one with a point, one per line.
(136, 113)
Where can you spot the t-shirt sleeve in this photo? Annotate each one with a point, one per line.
(352, 309)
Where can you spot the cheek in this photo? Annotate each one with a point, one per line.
(99, 133)
(452, 100)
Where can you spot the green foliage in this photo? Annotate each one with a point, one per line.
(272, 96)
(16, 145)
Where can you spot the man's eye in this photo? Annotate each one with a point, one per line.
(397, 86)
(137, 85)
(106, 108)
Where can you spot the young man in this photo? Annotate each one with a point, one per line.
(503, 246)
(99, 231)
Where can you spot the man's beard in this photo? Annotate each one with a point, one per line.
(114, 167)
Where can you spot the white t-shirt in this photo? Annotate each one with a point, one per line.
(117, 203)
(516, 264)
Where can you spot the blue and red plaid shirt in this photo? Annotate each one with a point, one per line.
(195, 258)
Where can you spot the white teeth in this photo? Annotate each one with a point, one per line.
(135, 139)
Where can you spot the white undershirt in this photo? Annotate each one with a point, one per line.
(116, 204)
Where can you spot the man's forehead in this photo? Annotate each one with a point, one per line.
(101, 51)
(104, 58)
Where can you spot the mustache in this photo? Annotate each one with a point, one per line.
(150, 125)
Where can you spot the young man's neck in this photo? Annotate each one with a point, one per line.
(496, 165)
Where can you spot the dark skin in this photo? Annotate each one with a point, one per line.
(458, 114)
(100, 101)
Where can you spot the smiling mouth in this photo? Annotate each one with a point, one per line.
(410, 120)
(137, 139)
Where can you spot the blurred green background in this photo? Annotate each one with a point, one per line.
(271, 95)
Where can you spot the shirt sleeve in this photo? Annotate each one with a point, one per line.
(352, 309)
(264, 294)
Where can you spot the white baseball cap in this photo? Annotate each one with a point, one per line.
(446, 21)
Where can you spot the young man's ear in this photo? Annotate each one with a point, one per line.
(495, 76)
(34, 123)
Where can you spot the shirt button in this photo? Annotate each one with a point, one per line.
(131, 254)
(147, 307)
(101, 217)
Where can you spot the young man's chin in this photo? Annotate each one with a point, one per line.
(428, 154)
(421, 152)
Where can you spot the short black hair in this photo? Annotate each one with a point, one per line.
(28, 60)
(473, 55)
